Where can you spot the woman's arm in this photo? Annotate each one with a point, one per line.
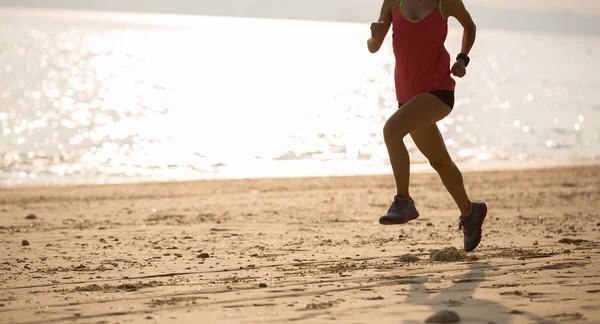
(380, 28)
(456, 9)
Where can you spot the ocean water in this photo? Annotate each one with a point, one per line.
(105, 97)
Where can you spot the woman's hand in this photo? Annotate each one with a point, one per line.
(380, 28)
(378, 31)
(459, 69)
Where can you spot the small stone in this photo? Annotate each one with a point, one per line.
(572, 241)
(204, 255)
(24, 243)
(409, 258)
(262, 285)
(443, 316)
(31, 216)
(179, 255)
(375, 298)
(516, 311)
(447, 254)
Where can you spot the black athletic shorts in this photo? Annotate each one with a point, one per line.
(446, 96)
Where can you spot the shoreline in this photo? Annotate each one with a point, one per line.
(416, 168)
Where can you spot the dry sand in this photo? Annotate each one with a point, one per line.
(300, 250)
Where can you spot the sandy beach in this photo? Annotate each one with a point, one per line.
(304, 250)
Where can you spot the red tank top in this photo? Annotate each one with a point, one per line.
(422, 61)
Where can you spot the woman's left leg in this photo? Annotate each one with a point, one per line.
(430, 142)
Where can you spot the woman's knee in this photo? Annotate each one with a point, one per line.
(441, 163)
(393, 132)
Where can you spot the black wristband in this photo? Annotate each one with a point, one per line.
(464, 57)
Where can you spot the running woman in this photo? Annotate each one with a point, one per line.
(425, 94)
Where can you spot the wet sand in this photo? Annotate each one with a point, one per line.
(301, 250)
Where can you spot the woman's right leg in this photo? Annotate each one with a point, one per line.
(424, 109)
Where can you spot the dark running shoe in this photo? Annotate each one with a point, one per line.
(401, 211)
(471, 226)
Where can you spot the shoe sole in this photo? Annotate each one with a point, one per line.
(480, 227)
(384, 221)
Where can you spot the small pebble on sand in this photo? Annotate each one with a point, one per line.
(443, 316)
(24, 243)
(409, 258)
(447, 254)
(571, 241)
